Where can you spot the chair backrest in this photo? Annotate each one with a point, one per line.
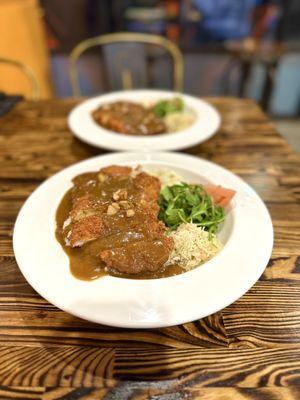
(125, 54)
(26, 71)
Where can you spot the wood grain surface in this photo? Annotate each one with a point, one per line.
(250, 350)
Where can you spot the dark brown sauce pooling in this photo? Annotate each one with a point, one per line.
(84, 261)
(129, 118)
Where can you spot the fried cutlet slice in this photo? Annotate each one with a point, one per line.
(88, 219)
(129, 118)
(85, 222)
(139, 256)
(117, 170)
(150, 186)
(149, 252)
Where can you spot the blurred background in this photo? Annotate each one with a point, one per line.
(243, 48)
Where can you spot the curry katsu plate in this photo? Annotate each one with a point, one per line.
(144, 120)
(143, 239)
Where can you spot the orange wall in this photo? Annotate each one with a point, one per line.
(22, 38)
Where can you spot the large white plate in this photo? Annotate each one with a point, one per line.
(247, 236)
(207, 122)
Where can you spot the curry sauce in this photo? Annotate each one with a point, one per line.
(130, 237)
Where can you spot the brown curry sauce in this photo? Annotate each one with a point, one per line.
(129, 118)
(84, 261)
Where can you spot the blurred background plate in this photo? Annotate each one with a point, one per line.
(207, 122)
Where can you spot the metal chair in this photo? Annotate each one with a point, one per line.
(123, 59)
(29, 74)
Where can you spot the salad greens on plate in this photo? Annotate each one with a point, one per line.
(184, 203)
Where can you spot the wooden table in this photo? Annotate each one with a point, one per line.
(250, 350)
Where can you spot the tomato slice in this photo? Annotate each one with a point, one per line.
(221, 196)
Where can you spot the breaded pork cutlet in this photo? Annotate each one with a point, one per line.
(119, 202)
(129, 118)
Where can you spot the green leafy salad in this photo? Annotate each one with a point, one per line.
(184, 203)
(165, 107)
(193, 213)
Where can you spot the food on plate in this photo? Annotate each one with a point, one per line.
(184, 203)
(126, 222)
(177, 121)
(131, 118)
(221, 196)
(109, 221)
(192, 246)
(164, 107)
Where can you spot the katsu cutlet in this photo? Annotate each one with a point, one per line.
(118, 206)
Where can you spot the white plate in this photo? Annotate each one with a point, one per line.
(207, 122)
(247, 236)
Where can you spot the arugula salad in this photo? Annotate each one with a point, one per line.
(194, 214)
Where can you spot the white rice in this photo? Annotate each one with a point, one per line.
(192, 246)
(167, 177)
(177, 121)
